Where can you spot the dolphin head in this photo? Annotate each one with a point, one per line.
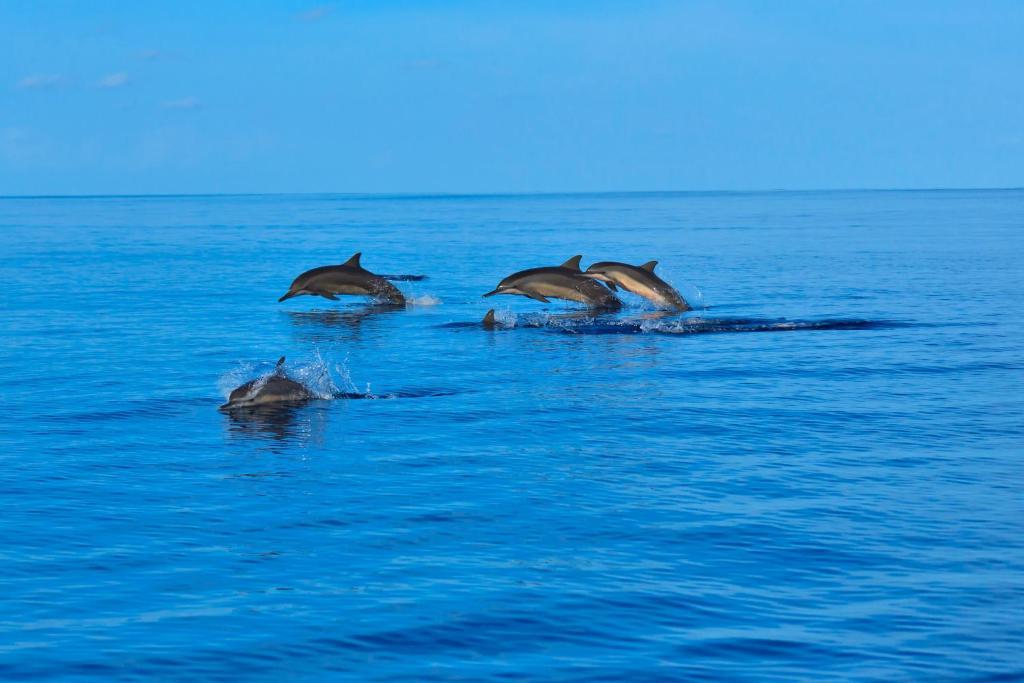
(598, 271)
(503, 290)
(506, 286)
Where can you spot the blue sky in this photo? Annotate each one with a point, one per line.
(463, 96)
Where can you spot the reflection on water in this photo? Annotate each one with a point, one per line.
(323, 325)
(298, 424)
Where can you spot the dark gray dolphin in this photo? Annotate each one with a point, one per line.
(276, 388)
(558, 282)
(489, 322)
(640, 280)
(348, 278)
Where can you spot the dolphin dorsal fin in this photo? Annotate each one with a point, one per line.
(573, 263)
(354, 261)
(649, 266)
(280, 362)
(489, 318)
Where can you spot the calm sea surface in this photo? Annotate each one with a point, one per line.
(818, 475)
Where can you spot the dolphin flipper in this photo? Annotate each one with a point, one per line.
(325, 294)
(534, 295)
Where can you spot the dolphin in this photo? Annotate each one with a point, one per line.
(348, 278)
(559, 282)
(276, 388)
(489, 322)
(640, 280)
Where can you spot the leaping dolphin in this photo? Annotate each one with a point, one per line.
(559, 282)
(348, 278)
(276, 388)
(639, 280)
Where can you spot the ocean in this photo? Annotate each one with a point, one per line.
(814, 475)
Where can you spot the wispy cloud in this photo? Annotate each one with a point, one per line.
(316, 13)
(183, 103)
(113, 80)
(18, 145)
(40, 81)
(150, 55)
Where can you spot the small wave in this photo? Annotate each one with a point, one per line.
(666, 323)
(404, 278)
(412, 393)
(323, 380)
(687, 326)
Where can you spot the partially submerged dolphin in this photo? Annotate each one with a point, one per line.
(348, 278)
(558, 282)
(276, 388)
(639, 280)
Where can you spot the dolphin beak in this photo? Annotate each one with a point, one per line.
(597, 276)
(499, 290)
(288, 295)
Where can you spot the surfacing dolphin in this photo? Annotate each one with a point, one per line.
(276, 388)
(348, 278)
(639, 280)
(558, 282)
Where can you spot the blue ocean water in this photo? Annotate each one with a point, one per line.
(814, 476)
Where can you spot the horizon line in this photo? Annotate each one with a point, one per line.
(457, 195)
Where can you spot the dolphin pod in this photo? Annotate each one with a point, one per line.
(594, 287)
(558, 282)
(566, 281)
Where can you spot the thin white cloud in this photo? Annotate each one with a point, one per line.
(183, 103)
(40, 82)
(316, 13)
(19, 145)
(113, 80)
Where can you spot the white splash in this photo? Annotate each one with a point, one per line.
(315, 375)
(424, 300)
